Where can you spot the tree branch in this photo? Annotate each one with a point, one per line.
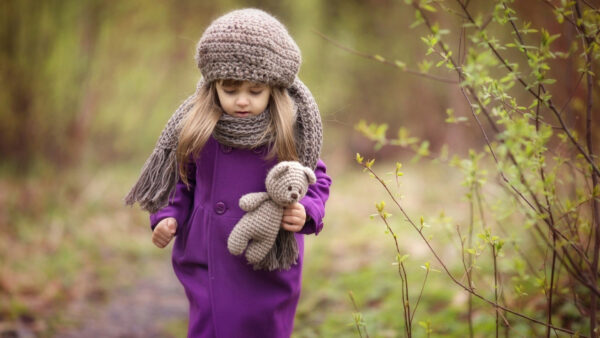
(380, 59)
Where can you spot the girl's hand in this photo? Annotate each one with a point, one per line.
(164, 231)
(294, 217)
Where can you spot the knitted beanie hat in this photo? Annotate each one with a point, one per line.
(248, 44)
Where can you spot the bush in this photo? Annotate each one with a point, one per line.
(532, 186)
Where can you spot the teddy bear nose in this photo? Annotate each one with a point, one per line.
(294, 195)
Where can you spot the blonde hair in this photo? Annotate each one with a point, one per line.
(206, 111)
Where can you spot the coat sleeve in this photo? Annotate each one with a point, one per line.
(180, 201)
(315, 199)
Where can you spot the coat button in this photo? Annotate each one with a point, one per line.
(257, 151)
(220, 208)
(226, 149)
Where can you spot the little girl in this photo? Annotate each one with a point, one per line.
(249, 112)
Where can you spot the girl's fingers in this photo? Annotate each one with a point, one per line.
(156, 239)
(292, 212)
(157, 242)
(164, 232)
(161, 237)
(163, 242)
(167, 236)
(293, 228)
(292, 220)
(292, 223)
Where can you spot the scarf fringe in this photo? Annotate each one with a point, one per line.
(156, 182)
(282, 255)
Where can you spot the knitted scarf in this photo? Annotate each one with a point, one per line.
(159, 174)
(244, 132)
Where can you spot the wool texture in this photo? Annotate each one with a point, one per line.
(286, 183)
(248, 44)
(246, 133)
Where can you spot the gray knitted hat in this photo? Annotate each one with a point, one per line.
(248, 44)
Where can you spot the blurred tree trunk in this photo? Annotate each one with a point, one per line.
(78, 131)
(47, 52)
(16, 137)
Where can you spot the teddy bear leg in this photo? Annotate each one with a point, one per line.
(257, 250)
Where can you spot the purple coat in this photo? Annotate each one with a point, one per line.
(227, 297)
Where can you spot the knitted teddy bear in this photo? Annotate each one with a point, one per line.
(286, 183)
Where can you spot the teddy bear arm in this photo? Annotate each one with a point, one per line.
(253, 200)
(239, 237)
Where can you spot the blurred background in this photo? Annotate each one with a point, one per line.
(88, 86)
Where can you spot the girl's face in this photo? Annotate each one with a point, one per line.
(243, 98)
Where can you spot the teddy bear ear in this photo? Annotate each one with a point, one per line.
(310, 175)
(280, 170)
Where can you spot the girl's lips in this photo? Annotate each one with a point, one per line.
(243, 113)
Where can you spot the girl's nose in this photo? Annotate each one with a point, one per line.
(242, 101)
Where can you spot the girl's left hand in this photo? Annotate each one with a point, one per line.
(294, 217)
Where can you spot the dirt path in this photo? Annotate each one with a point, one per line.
(142, 309)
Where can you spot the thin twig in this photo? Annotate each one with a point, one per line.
(494, 257)
(351, 295)
(420, 294)
(590, 6)
(379, 59)
(404, 279)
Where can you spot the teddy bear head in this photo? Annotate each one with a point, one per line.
(287, 182)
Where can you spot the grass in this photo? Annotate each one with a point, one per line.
(69, 240)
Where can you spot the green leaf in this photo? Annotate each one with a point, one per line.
(403, 138)
(424, 149)
(369, 163)
(359, 158)
(425, 65)
(428, 8)
(548, 81)
(400, 64)
(401, 259)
